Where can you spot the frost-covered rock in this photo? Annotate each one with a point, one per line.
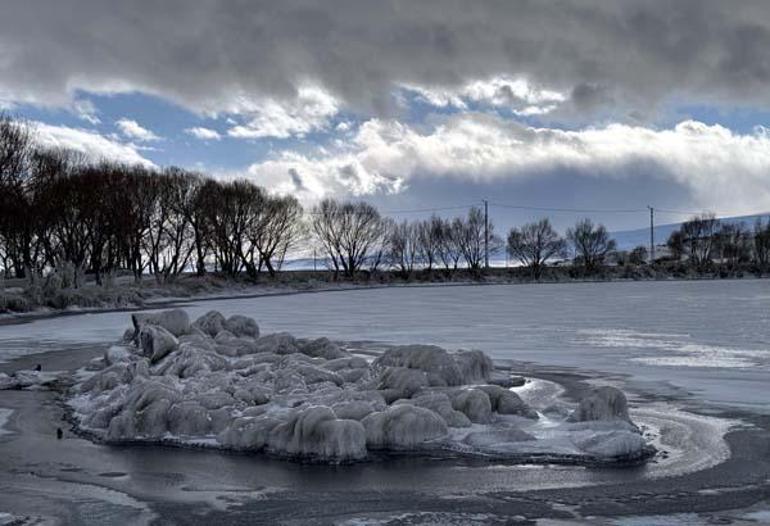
(604, 403)
(156, 342)
(242, 326)
(403, 426)
(175, 321)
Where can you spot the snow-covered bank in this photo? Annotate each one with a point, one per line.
(217, 382)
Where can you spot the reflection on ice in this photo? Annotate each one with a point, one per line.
(673, 350)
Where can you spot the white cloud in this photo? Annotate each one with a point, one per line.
(311, 110)
(503, 91)
(94, 146)
(723, 170)
(314, 177)
(86, 111)
(204, 134)
(133, 130)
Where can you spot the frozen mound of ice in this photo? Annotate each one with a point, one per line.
(604, 403)
(218, 382)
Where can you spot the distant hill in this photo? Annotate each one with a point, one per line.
(628, 239)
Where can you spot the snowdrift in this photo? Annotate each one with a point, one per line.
(217, 382)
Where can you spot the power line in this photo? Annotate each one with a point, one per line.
(574, 210)
(434, 209)
(683, 212)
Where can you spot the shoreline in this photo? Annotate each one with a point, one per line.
(274, 289)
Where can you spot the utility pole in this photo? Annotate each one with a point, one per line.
(314, 267)
(486, 234)
(652, 234)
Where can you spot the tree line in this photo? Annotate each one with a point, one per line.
(63, 216)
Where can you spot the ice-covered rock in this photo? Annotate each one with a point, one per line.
(475, 366)
(475, 404)
(278, 343)
(401, 382)
(613, 444)
(116, 354)
(440, 404)
(317, 432)
(506, 380)
(403, 426)
(496, 439)
(242, 326)
(156, 342)
(175, 321)
(8, 382)
(29, 379)
(603, 403)
(323, 348)
(439, 367)
(506, 402)
(210, 323)
(220, 383)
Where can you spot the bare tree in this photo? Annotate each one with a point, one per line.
(403, 246)
(534, 244)
(446, 243)
(429, 241)
(349, 234)
(591, 243)
(276, 228)
(699, 239)
(675, 244)
(761, 243)
(16, 152)
(734, 243)
(638, 256)
(471, 238)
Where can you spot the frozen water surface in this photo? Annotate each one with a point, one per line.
(711, 338)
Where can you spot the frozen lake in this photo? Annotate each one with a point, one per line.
(710, 338)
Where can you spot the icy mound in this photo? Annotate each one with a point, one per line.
(217, 382)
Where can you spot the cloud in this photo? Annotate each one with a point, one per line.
(86, 111)
(207, 55)
(309, 111)
(315, 177)
(204, 134)
(720, 169)
(132, 130)
(94, 146)
(502, 91)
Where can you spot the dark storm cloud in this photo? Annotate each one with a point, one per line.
(204, 54)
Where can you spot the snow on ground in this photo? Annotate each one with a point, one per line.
(218, 382)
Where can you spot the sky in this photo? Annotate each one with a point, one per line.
(561, 108)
